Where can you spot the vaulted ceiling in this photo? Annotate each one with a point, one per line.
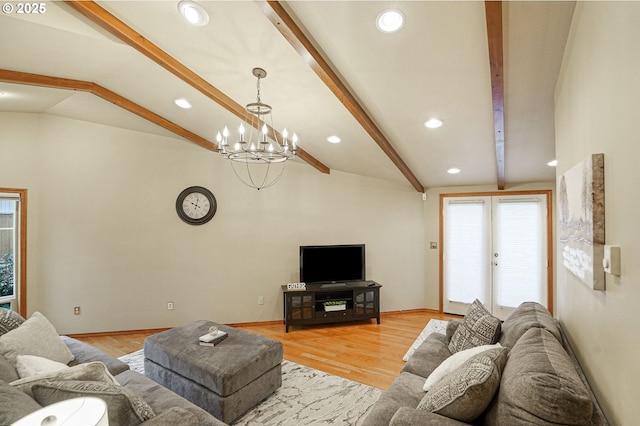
(487, 70)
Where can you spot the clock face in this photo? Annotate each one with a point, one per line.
(196, 205)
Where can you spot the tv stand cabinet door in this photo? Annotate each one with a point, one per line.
(302, 306)
(299, 308)
(366, 303)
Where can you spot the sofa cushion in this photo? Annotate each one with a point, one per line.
(84, 353)
(9, 320)
(31, 365)
(95, 371)
(453, 362)
(161, 399)
(540, 386)
(36, 336)
(14, 404)
(527, 315)
(465, 393)
(405, 391)
(411, 417)
(172, 417)
(429, 355)
(478, 327)
(125, 408)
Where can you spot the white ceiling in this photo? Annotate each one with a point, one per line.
(436, 66)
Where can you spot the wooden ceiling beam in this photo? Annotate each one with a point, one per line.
(17, 77)
(295, 36)
(113, 25)
(493, 12)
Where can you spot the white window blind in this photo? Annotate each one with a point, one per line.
(466, 262)
(518, 241)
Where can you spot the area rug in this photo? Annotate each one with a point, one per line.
(307, 397)
(433, 326)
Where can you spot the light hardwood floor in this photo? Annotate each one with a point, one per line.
(364, 352)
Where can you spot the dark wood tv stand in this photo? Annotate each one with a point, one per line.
(304, 307)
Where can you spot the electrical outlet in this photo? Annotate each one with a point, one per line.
(76, 310)
(170, 306)
(260, 300)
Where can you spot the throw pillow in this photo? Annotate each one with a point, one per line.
(453, 362)
(478, 327)
(30, 365)
(8, 372)
(464, 394)
(9, 320)
(36, 336)
(94, 371)
(125, 408)
(14, 404)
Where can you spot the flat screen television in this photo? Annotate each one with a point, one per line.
(332, 263)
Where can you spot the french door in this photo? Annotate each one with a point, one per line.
(495, 248)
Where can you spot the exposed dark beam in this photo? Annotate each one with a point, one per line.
(290, 30)
(134, 39)
(106, 94)
(493, 11)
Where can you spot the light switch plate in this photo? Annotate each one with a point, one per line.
(611, 260)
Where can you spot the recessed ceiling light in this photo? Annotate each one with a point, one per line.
(182, 103)
(334, 139)
(552, 163)
(434, 123)
(390, 20)
(193, 12)
(453, 171)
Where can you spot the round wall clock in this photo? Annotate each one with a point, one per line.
(196, 205)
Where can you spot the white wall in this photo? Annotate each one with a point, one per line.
(103, 233)
(597, 110)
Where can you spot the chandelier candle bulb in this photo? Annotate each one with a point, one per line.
(241, 130)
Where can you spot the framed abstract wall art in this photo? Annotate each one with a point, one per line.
(581, 221)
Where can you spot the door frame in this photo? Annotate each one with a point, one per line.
(22, 272)
(546, 192)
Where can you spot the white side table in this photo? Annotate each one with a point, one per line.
(87, 411)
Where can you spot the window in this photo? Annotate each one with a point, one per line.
(12, 250)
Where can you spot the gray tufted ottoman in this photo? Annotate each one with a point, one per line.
(225, 380)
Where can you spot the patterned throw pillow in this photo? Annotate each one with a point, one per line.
(466, 393)
(125, 408)
(479, 327)
(9, 320)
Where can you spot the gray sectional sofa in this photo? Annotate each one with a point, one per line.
(532, 378)
(132, 398)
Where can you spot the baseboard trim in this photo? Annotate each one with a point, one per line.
(251, 323)
(248, 324)
(117, 333)
(412, 311)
